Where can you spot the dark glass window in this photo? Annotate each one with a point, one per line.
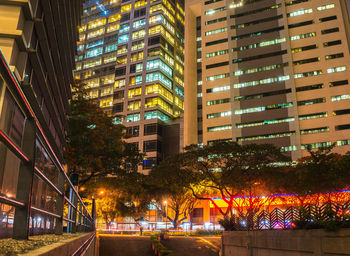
(328, 31)
(139, 13)
(133, 131)
(119, 107)
(120, 71)
(152, 146)
(342, 127)
(339, 83)
(149, 162)
(332, 43)
(150, 129)
(328, 18)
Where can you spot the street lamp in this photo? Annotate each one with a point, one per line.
(166, 215)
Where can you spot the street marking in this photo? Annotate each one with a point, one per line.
(210, 243)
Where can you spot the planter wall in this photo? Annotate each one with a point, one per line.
(286, 243)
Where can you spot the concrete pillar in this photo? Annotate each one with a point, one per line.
(25, 181)
(60, 205)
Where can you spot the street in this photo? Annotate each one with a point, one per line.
(125, 246)
(141, 246)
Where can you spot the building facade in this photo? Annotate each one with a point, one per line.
(131, 56)
(268, 71)
(37, 49)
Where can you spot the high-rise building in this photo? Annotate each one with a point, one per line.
(131, 56)
(268, 71)
(37, 49)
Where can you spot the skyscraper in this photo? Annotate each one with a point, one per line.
(268, 71)
(130, 55)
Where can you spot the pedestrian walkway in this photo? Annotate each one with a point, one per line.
(190, 246)
(114, 245)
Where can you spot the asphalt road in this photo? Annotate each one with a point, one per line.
(125, 246)
(194, 246)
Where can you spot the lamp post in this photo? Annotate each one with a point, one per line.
(166, 215)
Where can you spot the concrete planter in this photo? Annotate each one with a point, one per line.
(285, 242)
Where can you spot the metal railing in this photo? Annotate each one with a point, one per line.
(293, 217)
(42, 198)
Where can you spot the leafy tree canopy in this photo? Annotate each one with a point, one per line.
(95, 143)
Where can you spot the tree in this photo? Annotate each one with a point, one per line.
(95, 143)
(317, 175)
(241, 175)
(168, 181)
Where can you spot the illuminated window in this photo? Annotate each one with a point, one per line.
(110, 48)
(158, 102)
(114, 17)
(216, 31)
(157, 63)
(158, 76)
(122, 60)
(136, 56)
(341, 97)
(212, 11)
(140, 3)
(156, 115)
(299, 12)
(263, 108)
(134, 105)
(94, 52)
(336, 69)
(124, 28)
(138, 45)
(134, 92)
(266, 136)
(93, 94)
(92, 63)
(212, 78)
(219, 128)
(123, 38)
(97, 23)
(135, 80)
(219, 114)
(325, 7)
(119, 83)
(92, 83)
(316, 145)
(139, 23)
(125, 8)
(133, 118)
(110, 58)
(122, 49)
(138, 34)
(107, 91)
(107, 79)
(158, 89)
(95, 33)
(106, 102)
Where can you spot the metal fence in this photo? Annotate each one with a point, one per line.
(290, 217)
(36, 196)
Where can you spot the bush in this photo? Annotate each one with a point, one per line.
(231, 224)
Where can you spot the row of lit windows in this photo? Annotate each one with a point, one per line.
(215, 77)
(157, 63)
(158, 102)
(159, 18)
(218, 53)
(219, 89)
(220, 114)
(266, 136)
(263, 108)
(254, 70)
(219, 128)
(262, 81)
(216, 31)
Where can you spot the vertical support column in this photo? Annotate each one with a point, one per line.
(60, 205)
(25, 182)
(74, 213)
(80, 217)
